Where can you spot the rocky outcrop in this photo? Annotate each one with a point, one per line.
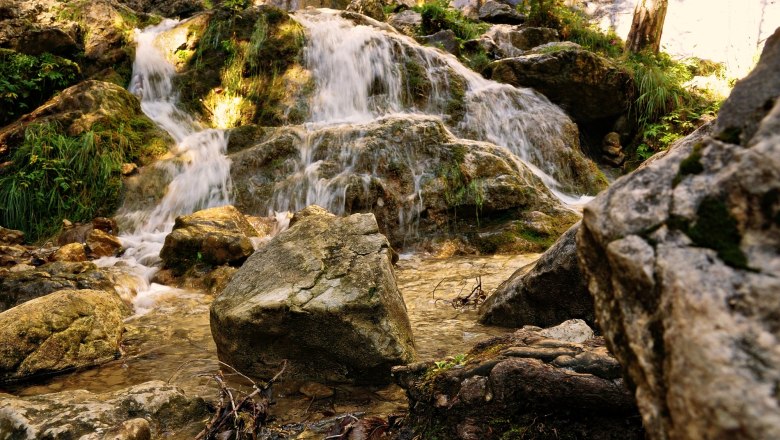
(492, 11)
(402, 169)
(213, 236)
(91, 104)
(149, 410)
(512, 41)
(21, 286)
(369, 8)
(525, 382)
(407, 22)
(683, 260)
(588, 86)
(444, 39)
(322, 295)
(545, 295)
(64, 330)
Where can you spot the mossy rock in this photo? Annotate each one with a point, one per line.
(242, 68)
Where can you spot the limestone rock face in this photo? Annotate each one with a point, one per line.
(66, 329)
(20, 286)
(589, 87)
(558, 388)
(548, 294)
(321, 294)
(400, 169)
(214, 236)
(683, 260)
(90, 416)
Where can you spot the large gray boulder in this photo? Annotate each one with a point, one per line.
(322, 295)
(548, 294)
(589, 87)
(683, 260)
(525, 382)
(64, 330)
(513, 41)
(148, 410)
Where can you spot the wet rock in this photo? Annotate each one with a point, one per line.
(550, 292)
(513, 41)
(322, 295)
(444, 39)
(520, 382)
(454, 177)
(166, 410)
(64, 330)
(369, 8)
(19, 287)
(11, 236)
(407, 22)
(102, 244)
(72, 252)
(589, 87)
(492, 11)
(214, 236)
(683, 260)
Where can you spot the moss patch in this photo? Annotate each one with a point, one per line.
(690, 165)
(716, 228)
(246, 69)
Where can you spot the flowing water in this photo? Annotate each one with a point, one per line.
(364, 73)
(172, 341)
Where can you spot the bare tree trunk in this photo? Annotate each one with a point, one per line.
(649, 16)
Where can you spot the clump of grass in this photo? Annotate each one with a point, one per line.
(54, 176)
(438, 16)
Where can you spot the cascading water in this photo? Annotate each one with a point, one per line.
(198, 170)
(364, 73)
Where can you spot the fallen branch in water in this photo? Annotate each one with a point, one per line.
(476, 297)
(238, 417)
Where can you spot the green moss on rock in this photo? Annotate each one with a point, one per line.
(716, 228)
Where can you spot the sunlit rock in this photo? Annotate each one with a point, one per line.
(64, 330)
(683, 260)
(322, 295)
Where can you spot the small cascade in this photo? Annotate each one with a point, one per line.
(198, 170)
(364, 73)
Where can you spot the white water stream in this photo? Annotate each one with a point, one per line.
(198, 169)
(359, 72)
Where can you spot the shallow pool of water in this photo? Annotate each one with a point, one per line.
(172, 342)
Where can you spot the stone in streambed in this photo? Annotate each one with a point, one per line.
(322, 295)
(214, 236)
(64, 330)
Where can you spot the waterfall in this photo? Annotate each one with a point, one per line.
(366, 72)
(199, 171)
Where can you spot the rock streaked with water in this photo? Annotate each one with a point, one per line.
(322, 295)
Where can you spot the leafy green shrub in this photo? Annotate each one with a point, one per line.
(437, 16)
(26, 81)
(54, 176)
